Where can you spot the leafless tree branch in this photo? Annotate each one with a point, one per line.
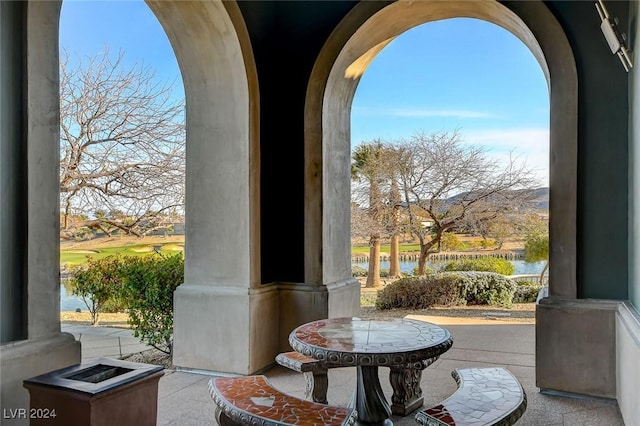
(122, 141)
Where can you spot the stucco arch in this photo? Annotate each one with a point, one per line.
(214, 53)
(222, 242)
(212, 46)
(345, 56)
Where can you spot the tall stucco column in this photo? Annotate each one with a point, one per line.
(36, 344)
(224, 320)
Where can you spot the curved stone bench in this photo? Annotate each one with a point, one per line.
(252, 400)
(485, 396)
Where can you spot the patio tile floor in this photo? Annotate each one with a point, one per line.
(183, 398)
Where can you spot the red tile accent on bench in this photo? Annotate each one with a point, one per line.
(299, 362)
(485, 396)
(253, 396)
(441, 413)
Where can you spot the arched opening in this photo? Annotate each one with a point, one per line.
(366, 30)
(470, 82)
(122, 143)
(362, 34)
(222, 195)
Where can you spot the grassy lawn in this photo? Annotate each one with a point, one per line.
(76, 256)
(74, 253)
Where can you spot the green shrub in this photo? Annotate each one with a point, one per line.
(148, 283)
(359, 271)
(485, 288)
(486, 243)
(483, 264)
(448, 289)
(427, 270)
(420, 292)
(97, 282)
(526, 292)
(114, 304)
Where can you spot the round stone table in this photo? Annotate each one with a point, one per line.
(404, 345)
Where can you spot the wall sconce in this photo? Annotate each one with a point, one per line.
(614, 37)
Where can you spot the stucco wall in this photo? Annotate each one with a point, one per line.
(602, 184)
(12, 180)
(634, 166)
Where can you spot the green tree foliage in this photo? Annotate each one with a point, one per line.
(484, 264)
(141, 285)
(536, 248)
(148, 283)
(97, 282)
(449, 242)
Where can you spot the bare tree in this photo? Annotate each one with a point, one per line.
(122, 140)
(444, 181)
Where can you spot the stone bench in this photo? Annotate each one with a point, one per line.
(315, 373)
(252, 400)
(485, 396)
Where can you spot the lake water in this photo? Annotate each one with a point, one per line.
(71, 302)
(521, 267)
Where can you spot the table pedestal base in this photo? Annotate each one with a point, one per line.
(405, 381)
(373, 408)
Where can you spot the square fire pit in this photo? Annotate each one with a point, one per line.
(100, 392)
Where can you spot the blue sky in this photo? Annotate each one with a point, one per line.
(463, 74)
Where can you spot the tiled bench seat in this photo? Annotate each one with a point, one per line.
(485, 396)
(251, 400)
(315, 373)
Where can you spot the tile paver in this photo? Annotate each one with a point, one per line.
(183, 397)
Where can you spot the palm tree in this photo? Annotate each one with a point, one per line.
(365, 166)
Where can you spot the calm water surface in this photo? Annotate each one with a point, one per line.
(521, 267)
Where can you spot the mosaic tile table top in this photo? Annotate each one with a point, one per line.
(485, 396)
(252, 400)
(375, 342)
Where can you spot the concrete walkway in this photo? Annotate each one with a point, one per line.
(104, 341)
(183, 398)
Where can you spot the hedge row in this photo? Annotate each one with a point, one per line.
(455, 288)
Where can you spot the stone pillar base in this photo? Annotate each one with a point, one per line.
(225, 329)
(576, 346)
(28, 358)
(299, 303)
(344, 298)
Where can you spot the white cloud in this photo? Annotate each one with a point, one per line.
(419, 112)
(529, 145)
